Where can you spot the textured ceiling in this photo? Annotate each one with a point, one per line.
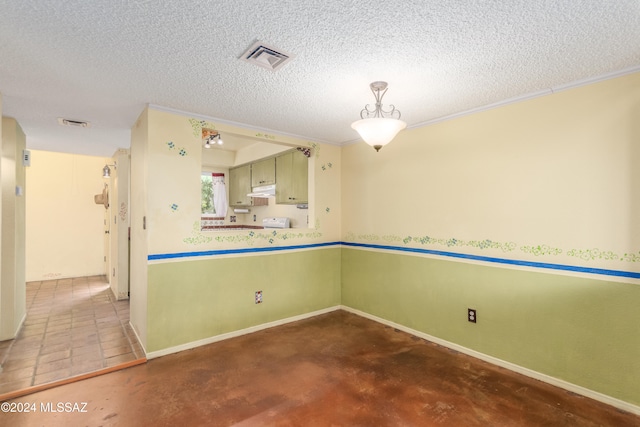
(103, 60)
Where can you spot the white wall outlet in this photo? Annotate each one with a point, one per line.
(258, 297)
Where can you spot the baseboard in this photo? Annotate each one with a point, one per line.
(4, 355)
(15, 332)
(138, 338)
(210, 340)
(620, 404)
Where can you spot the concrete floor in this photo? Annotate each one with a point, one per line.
(336, 369)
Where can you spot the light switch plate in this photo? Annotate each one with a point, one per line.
(26, 158)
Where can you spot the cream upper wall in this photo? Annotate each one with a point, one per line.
(0, 185)
(174, 167)
(214, 157)
(549, 180)
(65, 228)
(258, 151)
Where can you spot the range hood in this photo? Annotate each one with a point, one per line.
(263, 191)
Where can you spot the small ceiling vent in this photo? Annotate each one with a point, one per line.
(74, 123)
(266, 56)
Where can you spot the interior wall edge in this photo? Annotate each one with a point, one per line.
(583, 391)
(135, 332)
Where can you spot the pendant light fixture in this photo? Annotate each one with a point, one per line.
(378, 127)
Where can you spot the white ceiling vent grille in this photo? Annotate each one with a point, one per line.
(266, 56)
(74, 123)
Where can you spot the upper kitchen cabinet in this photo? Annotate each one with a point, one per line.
(292, 178)
(263, 172)
(240, 186)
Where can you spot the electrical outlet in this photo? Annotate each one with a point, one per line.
(258, 297)
(472, 316)
(254, 218)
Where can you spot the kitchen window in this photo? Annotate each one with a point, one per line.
(213, 199)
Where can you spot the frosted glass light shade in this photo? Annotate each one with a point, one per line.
(378, 132)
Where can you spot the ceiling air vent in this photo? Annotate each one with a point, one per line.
(266, 56)
(75, 123)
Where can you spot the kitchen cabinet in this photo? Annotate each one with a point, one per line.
(292, 178)
(263, 172)
(240, 186)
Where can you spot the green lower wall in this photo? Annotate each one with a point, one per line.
(583, 331)
(194, 300)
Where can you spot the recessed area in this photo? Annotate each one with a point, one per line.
(255, 177)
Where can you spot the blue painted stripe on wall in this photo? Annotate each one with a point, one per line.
(563, 267)
(549, 266)
(238, 251)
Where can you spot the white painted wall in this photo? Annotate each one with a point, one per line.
(119, 207)
(12, 278)
(65, 228)
(137, 221)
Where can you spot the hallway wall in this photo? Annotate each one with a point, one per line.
(65, 228)
(12, 229)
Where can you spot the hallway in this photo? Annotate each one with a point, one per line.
(336, 369)
(73, 327)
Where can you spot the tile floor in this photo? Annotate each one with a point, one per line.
(73, 326)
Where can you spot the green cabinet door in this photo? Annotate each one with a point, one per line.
(292, 178)
(240, 186)
(263, 172)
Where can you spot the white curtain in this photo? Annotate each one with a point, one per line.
(219, 195)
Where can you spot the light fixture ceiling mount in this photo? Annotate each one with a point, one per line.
(378, 127)
(211, 137)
